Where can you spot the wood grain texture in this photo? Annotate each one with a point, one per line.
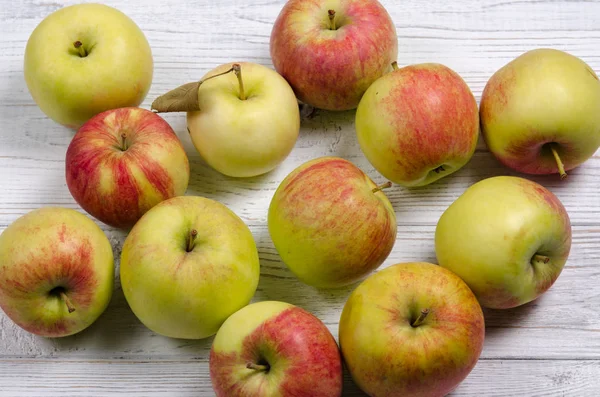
(550, 347)
(63, 378)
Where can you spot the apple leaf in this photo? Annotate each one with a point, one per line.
(180, 99)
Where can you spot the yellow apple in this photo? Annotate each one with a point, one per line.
(84, 59)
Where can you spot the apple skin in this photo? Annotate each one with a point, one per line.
(414, 120)
(331, 69)
(70, 89)
(118, 186)
(244, 138)
(47, 249)
(302, 355)
(387, 356)
(491, 233)
(328, 225)
(181, 294)
(542, 97)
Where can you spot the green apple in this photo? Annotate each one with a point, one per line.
(330, 223)
(84, 59)
(412, 329)
(540, 113)
(273, 348)
(56, 272)
(243, 117)
(508, 238)
(187, 265)
(418, 124)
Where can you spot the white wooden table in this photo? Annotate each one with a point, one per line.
(548, 348)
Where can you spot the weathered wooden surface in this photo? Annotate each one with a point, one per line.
(548, 348)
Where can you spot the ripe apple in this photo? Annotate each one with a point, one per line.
(245, 126)
(56, 272)
(274, 348)
(540, 113)
(508, 238)
(418, 124)
(332, 51)
(187, 265)
(330, 223)
(84, 59)
(412, 329)
(122, 162)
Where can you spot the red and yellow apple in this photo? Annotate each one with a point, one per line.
(56, 272)
(122, 162)
(84, 59)
(274, 348)
(540, 113)
(330, 223)
(412, 329)
(418, 124)
(508, 238)
(187, 265)
(332, 51)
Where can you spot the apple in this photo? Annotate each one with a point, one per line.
(187, 265)
(122, 162)
(540, 113)
(412, 329)
(418, 124)
(56, 272)
(273, 348)
(332, 51)
(507, 237)
(330, 223)
(84, 59)
(242, 125)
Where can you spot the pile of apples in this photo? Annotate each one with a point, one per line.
(189, 266)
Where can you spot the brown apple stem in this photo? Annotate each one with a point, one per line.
(237, 69)
(123, 142)
(79, 46)
(381, 187)
(331, 14)
(192, 240)
(257, 367)
(559, 163)
(395, 65)
(541, 258)
(421, 318)
(67, 301)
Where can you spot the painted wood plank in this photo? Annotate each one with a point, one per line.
(63, 378)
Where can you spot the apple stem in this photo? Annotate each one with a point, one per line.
(381, 187)
(67, 301)
(331, 14)
(123, 142)
(257, 367)
(191, 240)
(79, 46)
(559, 163)
(395, 65)
(237, 69)
(541, 258)
(421, 318)
(218, 74)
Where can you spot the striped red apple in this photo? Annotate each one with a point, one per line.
(123, 162)
(273, 348)
(56, 271)
(331, 51)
